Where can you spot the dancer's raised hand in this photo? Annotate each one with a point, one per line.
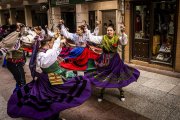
(61, 21)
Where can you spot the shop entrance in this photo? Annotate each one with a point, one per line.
(141, 36)
(154, 31)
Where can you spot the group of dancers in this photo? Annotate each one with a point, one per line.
(60, 55)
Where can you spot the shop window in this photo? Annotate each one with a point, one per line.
(163, 31)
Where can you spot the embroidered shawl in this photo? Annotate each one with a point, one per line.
(110, 44)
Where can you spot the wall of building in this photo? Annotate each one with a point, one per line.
(127, 30)
(54, 14)
(98, 7)
(106, 5)
(81, 13)
(30, 2)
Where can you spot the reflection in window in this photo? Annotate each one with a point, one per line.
(163, 32)
(142, 22)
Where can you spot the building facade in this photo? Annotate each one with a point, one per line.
(29, 12)
(153, 26)
(89, 10)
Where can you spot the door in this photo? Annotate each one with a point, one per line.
(141, 32)
(39, 18)
(108, 18)
(92, 20)
(70, 20)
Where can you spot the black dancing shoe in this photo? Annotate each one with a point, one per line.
(122, 97)
(100, 98)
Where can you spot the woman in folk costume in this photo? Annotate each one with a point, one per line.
(12, 48)
(66, 46)
(66, 74)
(49, 94)
(111, 71)
(81, 54)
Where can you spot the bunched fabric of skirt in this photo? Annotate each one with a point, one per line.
(80, 62)
(28, 49)
(39, 99)
(112, 72)
(65, 52)
(75, 52)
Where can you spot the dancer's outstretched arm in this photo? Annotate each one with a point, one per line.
(44, 60)
(65, 33)
(123, 39)
(94, 39)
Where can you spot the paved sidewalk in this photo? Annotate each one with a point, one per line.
(154, 96)
(90, 110)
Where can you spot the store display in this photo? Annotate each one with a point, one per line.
(171, 25)
(164, 52)
(138, 22)
(164, 48)
(163, 32)
(160, 56)
(155, 32)
(156, 44)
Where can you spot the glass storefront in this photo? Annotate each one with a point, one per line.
(154, 31)
(163, 31)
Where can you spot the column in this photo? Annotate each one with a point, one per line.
(2, 19)
(81, 14)
(12, 13)
(54, 16)
(99, 18)
(28, 15)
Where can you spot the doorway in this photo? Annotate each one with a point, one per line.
(92, 19)
(108, 18)
(70, 20)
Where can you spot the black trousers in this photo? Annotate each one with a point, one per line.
(18, 72)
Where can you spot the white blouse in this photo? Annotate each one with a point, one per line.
(50, 33)
(96, 31)
(79, 40)
(45, 60)
(123, 39)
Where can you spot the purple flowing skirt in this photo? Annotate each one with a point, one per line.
(115, 75)
(39, 99)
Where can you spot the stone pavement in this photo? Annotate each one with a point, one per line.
(90, 110)
(154, 96)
